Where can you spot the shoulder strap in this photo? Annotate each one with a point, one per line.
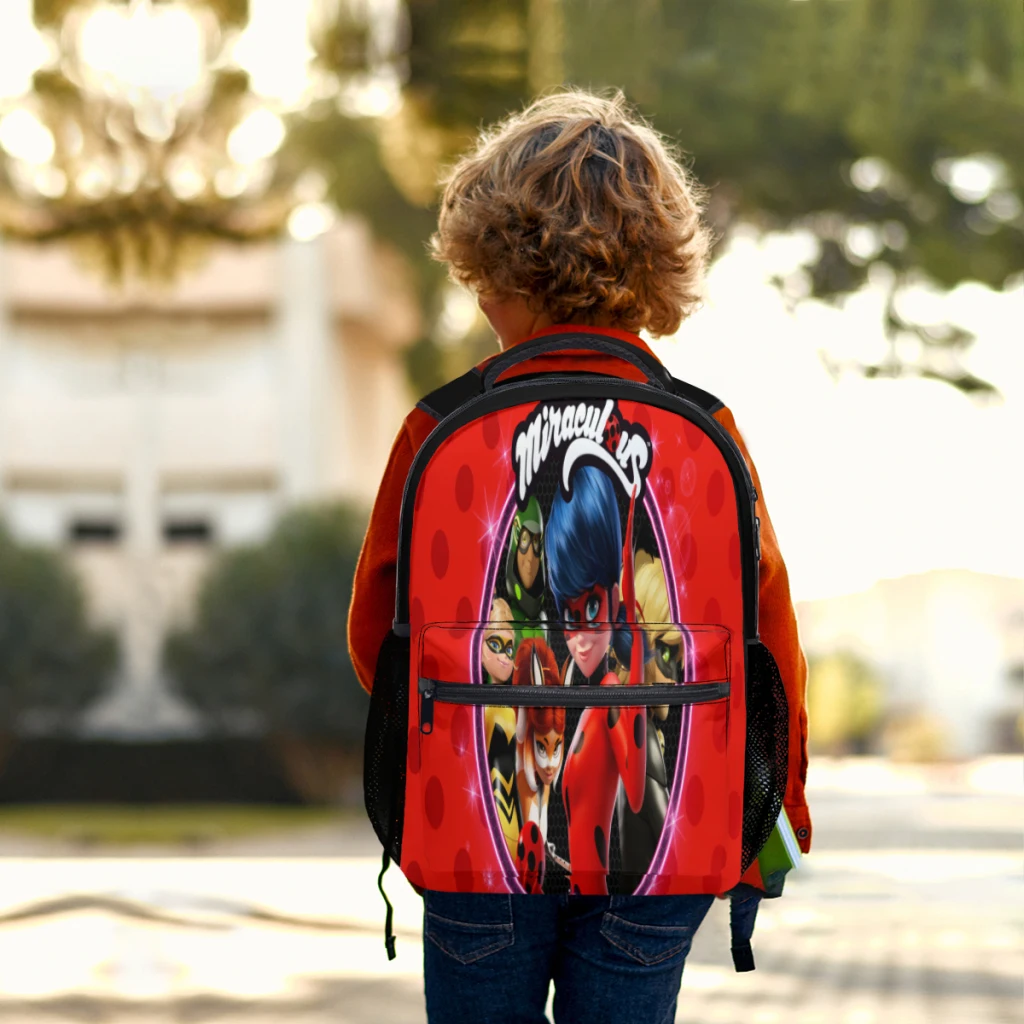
(704, 399)
(449, 397)
(443, 401)
(742, 912)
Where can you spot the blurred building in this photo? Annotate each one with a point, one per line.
(143, 430)
(948, 643)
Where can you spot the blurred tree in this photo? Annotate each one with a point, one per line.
(893, 130)
(52, 663)
(844, 704)
(267, 646)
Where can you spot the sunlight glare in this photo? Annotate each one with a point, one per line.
(274, 50)
(309, 221)
(25, 137)
(256, 137)
(159, 52)
(23, 51)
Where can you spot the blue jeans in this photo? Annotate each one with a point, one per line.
(488, 959)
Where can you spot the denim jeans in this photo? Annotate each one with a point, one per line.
(488, 959)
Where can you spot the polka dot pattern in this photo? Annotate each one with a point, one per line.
(716, 492)
(464, 613)
(463, 871)
(688, 555)
(439, 554)
(414, 873)
(464, 489)
(433, 803)
(712, 612)
(492, 432)
(688, 478)
(718, 859)
(719, 734)
(665, 485)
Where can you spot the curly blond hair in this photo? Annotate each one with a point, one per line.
(579, 206)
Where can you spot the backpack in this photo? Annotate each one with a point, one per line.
(573, 697)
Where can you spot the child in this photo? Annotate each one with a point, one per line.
(573, 211)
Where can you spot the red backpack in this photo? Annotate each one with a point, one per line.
(573, 697)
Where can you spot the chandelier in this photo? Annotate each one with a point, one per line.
(147, 129)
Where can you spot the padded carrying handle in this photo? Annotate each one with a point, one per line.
(655, 373)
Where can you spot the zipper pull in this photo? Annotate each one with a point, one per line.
(426, 706)
(757, 536)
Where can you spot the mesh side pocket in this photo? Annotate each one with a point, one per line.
(767, 755)
(386, 740)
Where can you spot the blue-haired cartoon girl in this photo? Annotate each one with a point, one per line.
(586, 557)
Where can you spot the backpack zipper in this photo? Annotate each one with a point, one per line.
(502, 695)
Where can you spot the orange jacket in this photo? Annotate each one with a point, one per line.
(373, 595)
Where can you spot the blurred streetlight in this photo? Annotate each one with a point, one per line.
(132, 128)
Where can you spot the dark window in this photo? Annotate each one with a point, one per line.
(188, 531)
(94, 531)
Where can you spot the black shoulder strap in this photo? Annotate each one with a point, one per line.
(704, 399)
(449, 397)
(446, 399)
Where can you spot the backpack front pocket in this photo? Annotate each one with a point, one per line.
(576, 749)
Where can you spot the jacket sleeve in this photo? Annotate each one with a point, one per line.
(778, 628)
(372, 608)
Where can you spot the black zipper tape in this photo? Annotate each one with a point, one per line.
(501, 695)
(556, 388)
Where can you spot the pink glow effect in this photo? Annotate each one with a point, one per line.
(672, 815)
(496, 525)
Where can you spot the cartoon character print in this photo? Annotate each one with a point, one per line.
(540, 746)
(497, 651)
(639, 831)
(524, 571)
(587, 554)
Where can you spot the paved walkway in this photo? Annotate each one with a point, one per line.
(909, 912)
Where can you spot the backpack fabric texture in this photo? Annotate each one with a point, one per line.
(574, 698)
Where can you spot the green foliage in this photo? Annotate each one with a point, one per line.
(844, 703)
(777, 100)
(156, 824)
(269, 635)
(823, 114)
(52, 663)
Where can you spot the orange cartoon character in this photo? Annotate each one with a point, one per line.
(540, 748)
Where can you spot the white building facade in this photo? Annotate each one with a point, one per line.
(141, 431)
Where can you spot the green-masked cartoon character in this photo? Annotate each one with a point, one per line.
(524, 572)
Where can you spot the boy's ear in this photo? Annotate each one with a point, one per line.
(615, 602)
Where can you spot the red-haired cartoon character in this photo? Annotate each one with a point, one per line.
(586, 555)
(540, 748)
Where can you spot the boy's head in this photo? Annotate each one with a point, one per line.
(578, 210)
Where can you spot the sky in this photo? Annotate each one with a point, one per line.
(863, 479)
